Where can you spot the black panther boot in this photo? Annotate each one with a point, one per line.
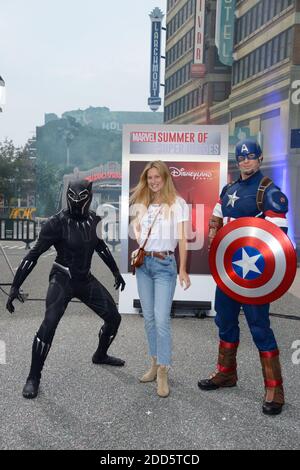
(100, 356)
(39, 353)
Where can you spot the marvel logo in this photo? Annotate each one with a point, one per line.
(143, 136)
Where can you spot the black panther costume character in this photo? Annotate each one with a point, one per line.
(73, 232)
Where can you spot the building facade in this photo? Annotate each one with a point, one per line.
(263, 98)
(187, 99)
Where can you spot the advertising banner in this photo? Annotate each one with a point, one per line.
(177, 142)
(197, 159)
(198, 184)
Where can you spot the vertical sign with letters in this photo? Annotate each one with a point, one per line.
(225, 30)
(154, 101)
(198, 69)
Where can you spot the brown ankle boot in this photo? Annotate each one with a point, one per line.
(151, 374)
(226, 375)
(274, 394)
(162, 382)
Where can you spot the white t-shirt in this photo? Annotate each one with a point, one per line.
(164, 233)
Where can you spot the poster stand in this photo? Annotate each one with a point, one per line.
(197, 157)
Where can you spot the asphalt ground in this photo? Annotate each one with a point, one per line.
(85, 406)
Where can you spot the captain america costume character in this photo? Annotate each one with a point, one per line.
(252, 195)
(73, 233)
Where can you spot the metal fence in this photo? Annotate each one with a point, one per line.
(18, 230)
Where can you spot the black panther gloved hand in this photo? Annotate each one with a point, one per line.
(13, 294)
(119, 281)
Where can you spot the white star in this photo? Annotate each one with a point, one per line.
(247, 263)
(148, 412)
(232, 198)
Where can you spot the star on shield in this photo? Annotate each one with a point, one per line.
(232, 198)
(247, 263)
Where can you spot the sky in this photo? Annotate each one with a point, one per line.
(61, 55)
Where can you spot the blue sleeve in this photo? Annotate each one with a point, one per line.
(224, 190)
(275, 200)
(275, 207)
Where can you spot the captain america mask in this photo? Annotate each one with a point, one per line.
(247, 149)
(250, 156)
(79, 198)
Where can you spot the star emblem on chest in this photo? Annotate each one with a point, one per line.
(232, 198)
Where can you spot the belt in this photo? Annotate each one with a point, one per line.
(63, 269)
(159, 254)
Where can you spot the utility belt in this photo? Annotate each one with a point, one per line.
(159, 254)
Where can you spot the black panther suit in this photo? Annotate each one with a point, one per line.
(73, 233)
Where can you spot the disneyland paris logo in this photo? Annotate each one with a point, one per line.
(196, 175)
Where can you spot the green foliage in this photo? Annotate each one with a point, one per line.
(16, 171)
(48, 180)
(64, 141)
(21, 175)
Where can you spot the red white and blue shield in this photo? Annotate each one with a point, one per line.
(252, 260)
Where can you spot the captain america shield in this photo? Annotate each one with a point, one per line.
(252, 260)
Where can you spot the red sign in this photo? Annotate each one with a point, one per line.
(198, 184)
(199, 32)
(198, 70)
(104, 176)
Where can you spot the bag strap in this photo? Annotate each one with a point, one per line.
(149, 231)
(263, 185)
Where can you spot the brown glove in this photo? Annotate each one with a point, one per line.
(215, 223)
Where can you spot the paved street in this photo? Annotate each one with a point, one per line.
(84, 406)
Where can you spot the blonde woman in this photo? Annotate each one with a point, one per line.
(157, 205)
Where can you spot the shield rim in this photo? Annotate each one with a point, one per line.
(289, 252)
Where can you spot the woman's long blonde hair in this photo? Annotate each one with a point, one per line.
(142, 194)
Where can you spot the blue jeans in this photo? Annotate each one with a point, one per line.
(156, 281)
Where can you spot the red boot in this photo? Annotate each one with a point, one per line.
(226, 375)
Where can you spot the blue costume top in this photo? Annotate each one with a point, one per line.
(238, 199)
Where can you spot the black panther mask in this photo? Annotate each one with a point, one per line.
(79, 198)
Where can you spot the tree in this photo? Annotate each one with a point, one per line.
(8, 154)
(24, 173)
(48, 187)
(17, 172)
